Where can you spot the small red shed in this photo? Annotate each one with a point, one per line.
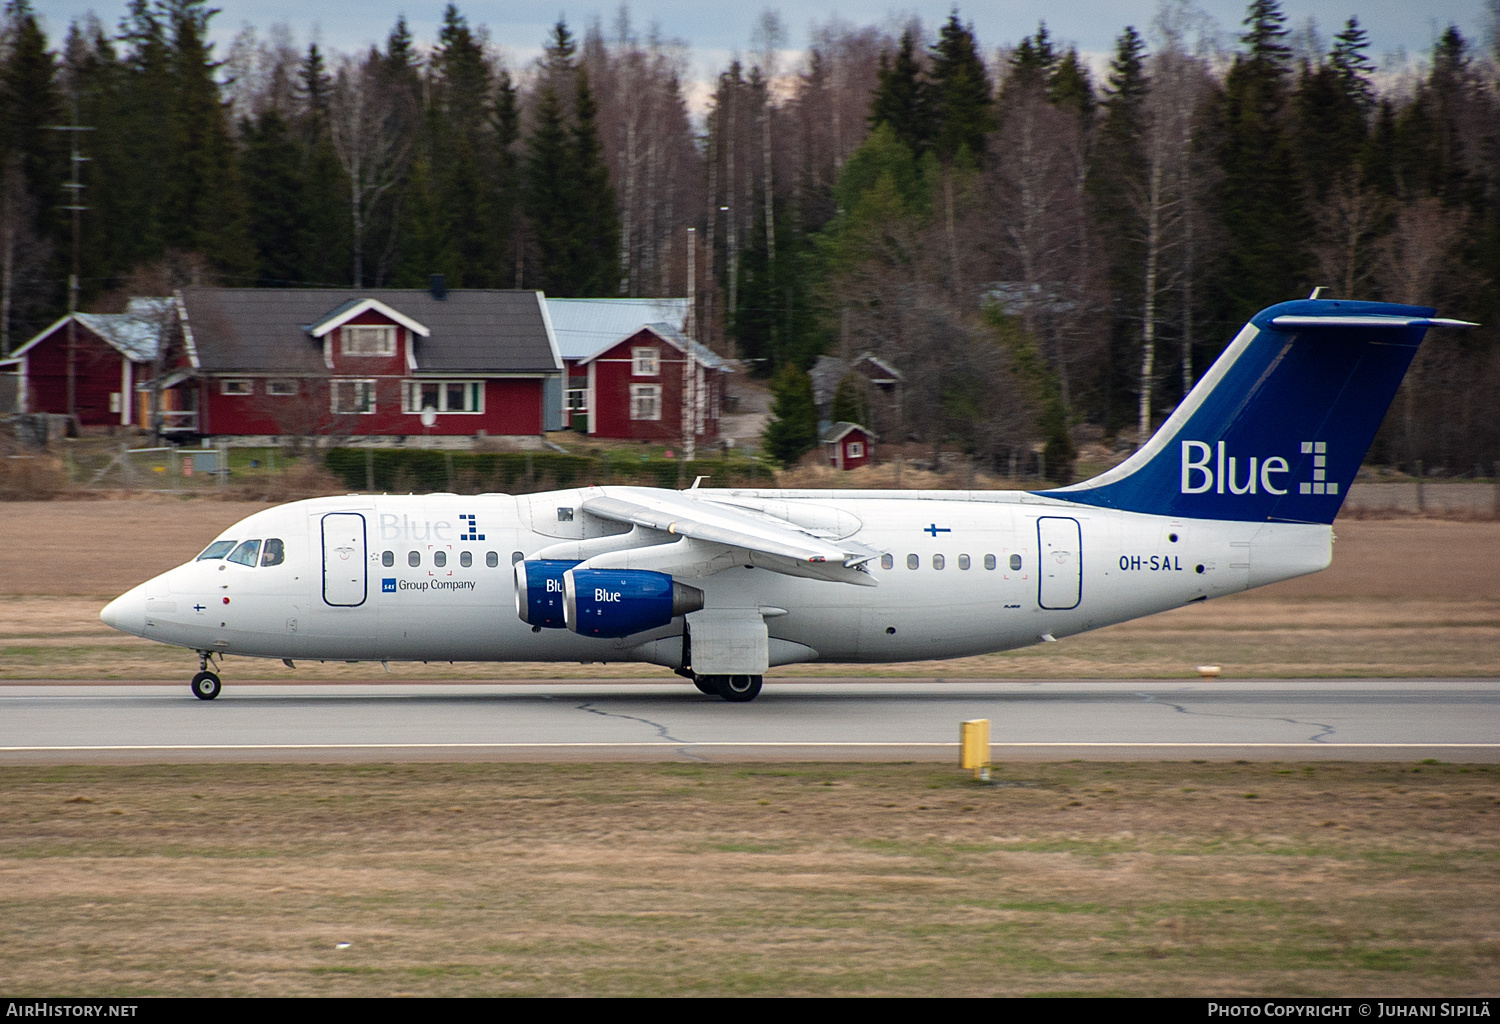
(848, 445)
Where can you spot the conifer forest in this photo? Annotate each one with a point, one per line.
(1040, 245)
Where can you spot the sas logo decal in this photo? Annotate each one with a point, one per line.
(1206, 468)
(388, 585)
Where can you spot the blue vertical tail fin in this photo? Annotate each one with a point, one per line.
(1278, 427)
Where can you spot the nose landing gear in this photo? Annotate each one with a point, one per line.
(206, 685)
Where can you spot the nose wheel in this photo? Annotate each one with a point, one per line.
(206, 685)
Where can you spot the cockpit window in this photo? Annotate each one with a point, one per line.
(246, 553)
(218, 549)
(274, 553)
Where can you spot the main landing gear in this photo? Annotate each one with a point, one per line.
(735, 689)
(206, 685)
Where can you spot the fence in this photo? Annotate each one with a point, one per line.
(1415, 497)
(166, 468)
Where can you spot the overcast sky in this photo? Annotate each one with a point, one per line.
(716, 30)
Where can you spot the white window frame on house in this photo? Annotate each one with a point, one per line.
(363, 394)
(856, 450)
(367, 340)
(578, 399)
(473, 395)
(282, 388)
(645, 361)
(645, 401)
(236, 386)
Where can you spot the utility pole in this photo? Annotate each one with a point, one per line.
(690, 379)
(74, 190)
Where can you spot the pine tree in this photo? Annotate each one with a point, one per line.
(596, 229)
(458, 117)
(962, 105)
(1117, 177)
(1071, 88)
(323, 230)
(793, 430)
(548, 194)
(1333, 101)
(900, 97)
(1032, 64)
(203, 206)
(1261, 196)
(30, 104)
(271, 168)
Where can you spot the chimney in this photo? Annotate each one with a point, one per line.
(439, 287)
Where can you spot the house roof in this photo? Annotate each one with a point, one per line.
(135, 333)
(354, 307)
(268, 329)
(838, 431)
(586, 327)
(672, 336)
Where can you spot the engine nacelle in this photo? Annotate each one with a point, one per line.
(619, 602)
(539, 591)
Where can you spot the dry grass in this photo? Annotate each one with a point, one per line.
(716, 879)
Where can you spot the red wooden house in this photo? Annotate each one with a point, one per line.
(113, 356)
(848, 445)
(638, 387)
(368, 363)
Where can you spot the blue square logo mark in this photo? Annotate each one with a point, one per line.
(388, 585)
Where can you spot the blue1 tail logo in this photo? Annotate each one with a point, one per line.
(1208, 468)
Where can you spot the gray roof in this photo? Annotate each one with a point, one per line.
(266, 329)
(135, 333)
(584, 327)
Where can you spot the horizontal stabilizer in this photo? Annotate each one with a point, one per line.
(1377, 320)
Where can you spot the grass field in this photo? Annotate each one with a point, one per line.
(744, 879)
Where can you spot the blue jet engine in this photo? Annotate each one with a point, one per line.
(539, 591)
(619, 602)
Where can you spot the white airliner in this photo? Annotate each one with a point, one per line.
(1238, 489)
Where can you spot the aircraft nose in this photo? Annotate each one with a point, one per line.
(127, 613)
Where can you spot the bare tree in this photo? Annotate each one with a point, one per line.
(364, 122)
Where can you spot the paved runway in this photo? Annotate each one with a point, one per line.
(1350, 719)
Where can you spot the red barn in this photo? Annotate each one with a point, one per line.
(848, 445)
(273, 361)
(113, 356)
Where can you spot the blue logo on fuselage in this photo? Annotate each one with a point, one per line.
(388, 585)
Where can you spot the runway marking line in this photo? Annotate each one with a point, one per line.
(737, 743)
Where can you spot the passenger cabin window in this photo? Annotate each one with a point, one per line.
(247, 553)
(388, 558)
(1015, 562)
(516, 556)
(492, 558)
(912, 561)
(466, 559)
(414, 558)
(989, 561)
(439, 558)
(938, 561)
(963, 561)
(218, 549)
(274, 553)
(887, 561)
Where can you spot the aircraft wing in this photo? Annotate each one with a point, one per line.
(766, 541)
